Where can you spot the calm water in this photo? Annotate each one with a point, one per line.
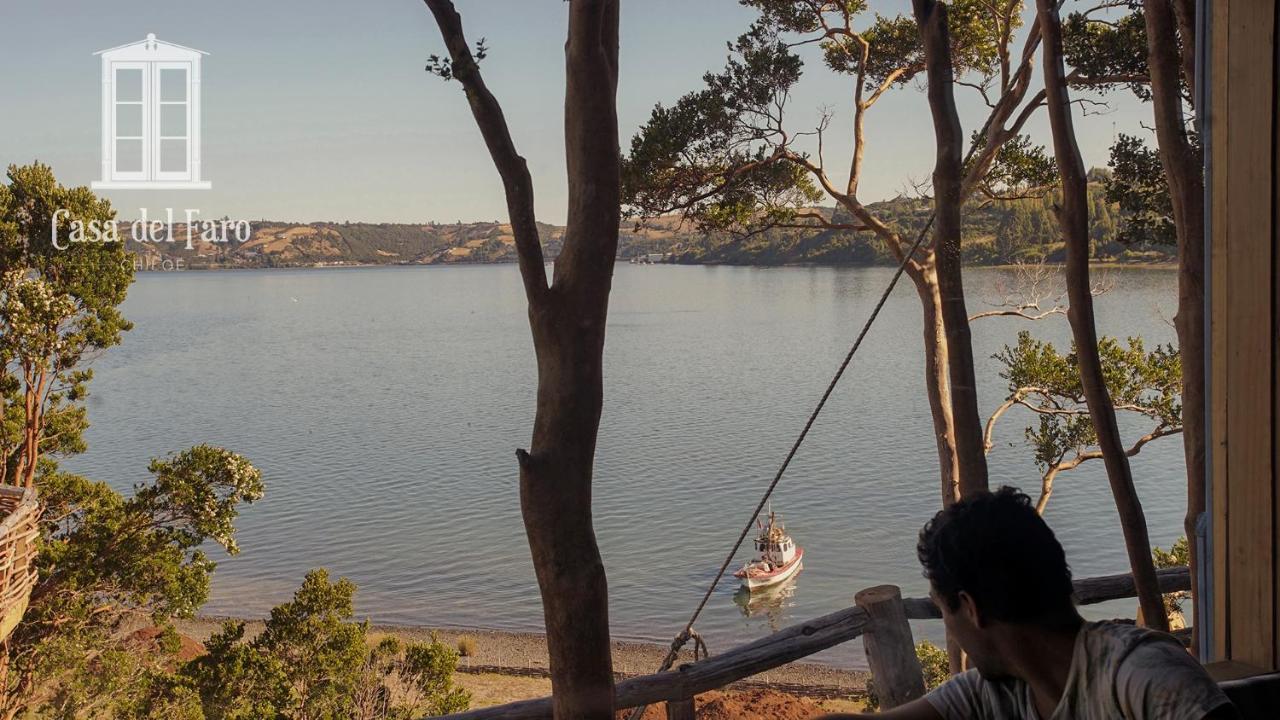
(383, 406)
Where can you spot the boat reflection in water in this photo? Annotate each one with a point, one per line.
(771, 603)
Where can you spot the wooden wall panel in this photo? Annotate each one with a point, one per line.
(1249, 185)
(1275, 341)
(1218, 263)
(1245, 398)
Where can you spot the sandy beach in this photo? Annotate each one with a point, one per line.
(508, 666)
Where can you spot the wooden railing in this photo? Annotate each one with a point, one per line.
(18, 533)
(879, 614)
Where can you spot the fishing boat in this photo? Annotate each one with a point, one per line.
(778, 558)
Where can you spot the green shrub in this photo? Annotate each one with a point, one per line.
(934, 666)
(312, 660)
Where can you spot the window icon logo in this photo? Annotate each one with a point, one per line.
(151, 117)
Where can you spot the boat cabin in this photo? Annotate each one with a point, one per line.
(775, 545)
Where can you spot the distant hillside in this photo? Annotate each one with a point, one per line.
(277, 244)
(994, 233)
(997, 233)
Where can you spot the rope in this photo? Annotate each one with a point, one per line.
(688, 632)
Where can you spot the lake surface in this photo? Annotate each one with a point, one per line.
(384, 406)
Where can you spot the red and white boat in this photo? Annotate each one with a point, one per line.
(777, 556)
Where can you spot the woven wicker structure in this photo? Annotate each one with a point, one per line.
(18, 532)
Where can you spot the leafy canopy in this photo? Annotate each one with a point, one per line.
(724, 157)
(106, 561)
(1138, 186)
(57, 306)
(1047, 382)
(1109, 47)
(312, 661)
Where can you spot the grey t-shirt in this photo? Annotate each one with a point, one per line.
(1117, 671)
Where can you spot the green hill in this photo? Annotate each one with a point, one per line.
(994, 233)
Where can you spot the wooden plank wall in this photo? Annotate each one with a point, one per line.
(1243, 315)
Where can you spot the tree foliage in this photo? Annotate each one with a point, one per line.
(1137, 185)
(1143, 384)
(714, 155)
(109, 562)
(58, 304)
(1178, 555)
(1020, 170)
(1101, 47)
(106, 561)
(725, 157)
(313, 661)
(935, 668)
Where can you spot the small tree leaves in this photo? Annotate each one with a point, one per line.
(1021, 169)
(442, 67)
(1047, 382)
(58, 301)
(1137, 184)
(1109, 48)
(313, 660)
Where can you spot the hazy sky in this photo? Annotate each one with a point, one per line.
(321, 110)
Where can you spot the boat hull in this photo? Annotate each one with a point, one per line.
(780, 575)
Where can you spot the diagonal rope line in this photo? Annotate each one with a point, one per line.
(688, 631)
(795, 447)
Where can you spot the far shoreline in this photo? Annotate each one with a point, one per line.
(1097, 264)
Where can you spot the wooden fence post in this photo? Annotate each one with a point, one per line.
(891, 652)
(680, 709)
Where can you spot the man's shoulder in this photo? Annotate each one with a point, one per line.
(1111, 640)
(1112, 652)
(1146, 673)
(969, 695)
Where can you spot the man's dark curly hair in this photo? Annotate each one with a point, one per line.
(995, 547)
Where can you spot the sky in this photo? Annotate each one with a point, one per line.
(320, 110)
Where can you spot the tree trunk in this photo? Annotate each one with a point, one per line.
(567, 320)
(1185, 13)
(936, 382)
(1184, 170)
(971, 457)
(555, 499)
(1074, 218)
(970, 461)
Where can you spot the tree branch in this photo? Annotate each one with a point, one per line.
(514, 171)
(1046, 483)
(1020, 311)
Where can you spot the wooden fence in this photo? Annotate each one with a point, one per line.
(880, 615)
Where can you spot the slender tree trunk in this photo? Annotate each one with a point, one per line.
(1074, 218)
(1185, 13)
(971, 457)
(1185, 173)
(936, 381)
(966, 425)
(567, 320)
(555, 499)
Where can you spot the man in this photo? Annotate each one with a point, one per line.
(1001, 579)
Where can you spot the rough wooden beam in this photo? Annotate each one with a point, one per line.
(680, 709)
(793, 643)
(771, 651)
(891, 651)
